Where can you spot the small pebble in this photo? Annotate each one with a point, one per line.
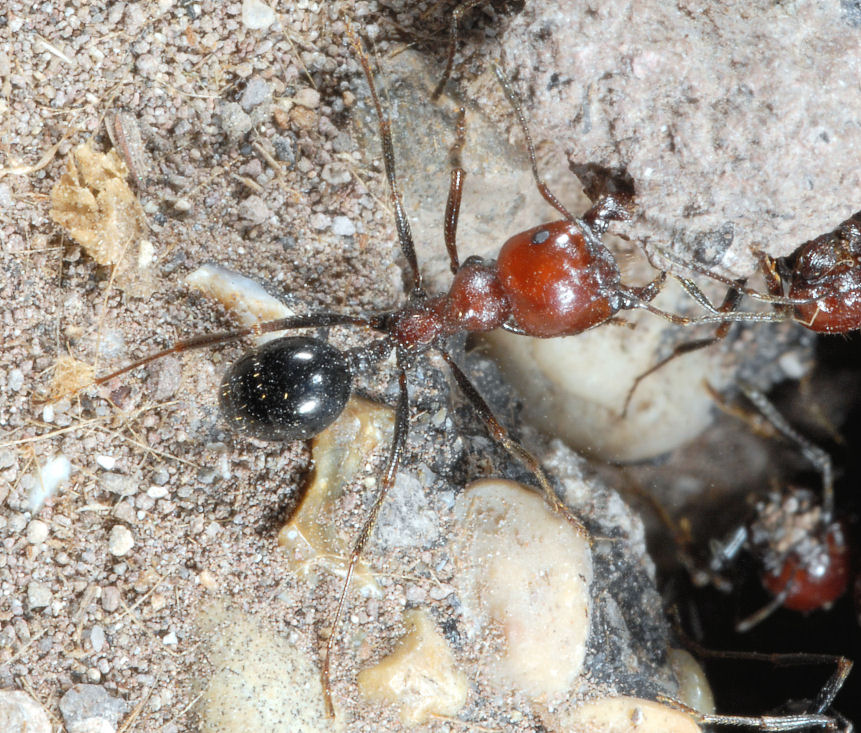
(169, 639)
(110, 598)
(234, 121)
(38, 594)
(285, 148)
(147, 65)
(106, 462)
(257, 15)
(97, 638)
(91, 708)
(320, 222)
(343, 227)
(37, 532)
(117, 483)
(182, 205)
(54, 472)
(15, 380)
(308, 98)
(335, 174)
(256, 93)
(254, 210)
(20, 713)
(120, 541)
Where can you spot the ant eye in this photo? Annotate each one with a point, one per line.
(288, 389)
(540, 237)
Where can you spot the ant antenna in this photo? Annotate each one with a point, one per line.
(820, 458)
(514, 101)
(454, 22)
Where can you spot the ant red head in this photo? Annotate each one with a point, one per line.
(805, 556)
(827, 270)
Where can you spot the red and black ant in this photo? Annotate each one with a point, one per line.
(552, 280)
(801, 548)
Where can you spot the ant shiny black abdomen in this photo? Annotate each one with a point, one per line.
(291, 388)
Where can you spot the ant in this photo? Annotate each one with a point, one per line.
(802, 550)
(817, 286)
(552, 280)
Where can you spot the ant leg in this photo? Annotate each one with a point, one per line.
(798, 721)
(730, 303)
(402, 421)
(405, 236)
(825, 698)
(455, 191)
(815, 714)
(500, 434)
(772, 298)
(314, 320)
(510, 94)
(454, 22)
(757, 617)
(813, 453)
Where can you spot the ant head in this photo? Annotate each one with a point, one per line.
(288, 389)
(804, 555)
(828, 271)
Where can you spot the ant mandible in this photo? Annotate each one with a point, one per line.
(552, 280)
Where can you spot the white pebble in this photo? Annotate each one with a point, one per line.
(257, 15)
(37, 532)
(245, 298)
(527, 572)
(169, 639)
(343, 227)
(120, 541)
(38, 594)
(97, 638)
(52, 473)
(106, 462)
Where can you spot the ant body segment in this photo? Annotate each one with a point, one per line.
(801, 548)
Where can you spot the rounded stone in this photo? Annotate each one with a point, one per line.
(120, 541)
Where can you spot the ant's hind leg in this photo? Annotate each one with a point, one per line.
(206, 340)
(500, 434)
(453, 26)
(405, 236)
(402, 424)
